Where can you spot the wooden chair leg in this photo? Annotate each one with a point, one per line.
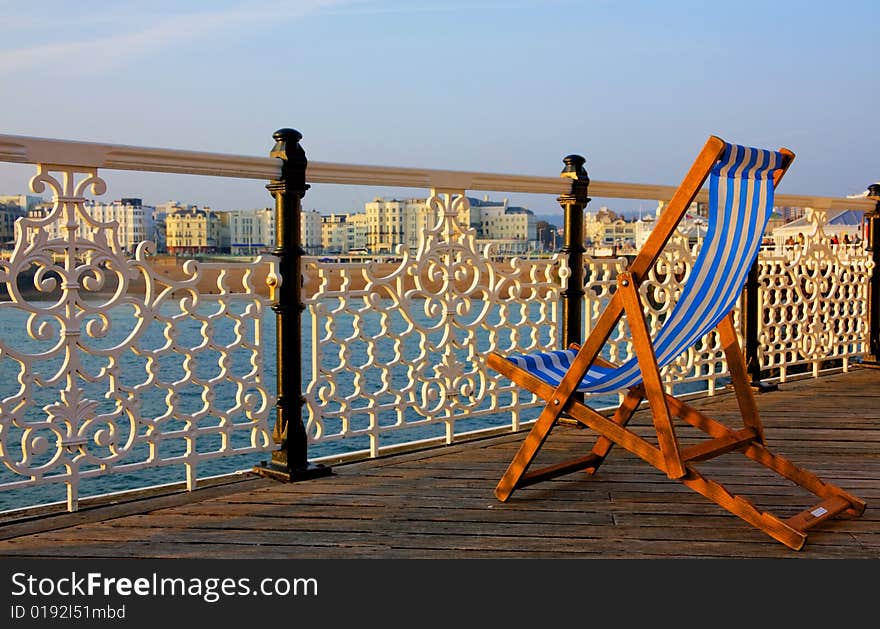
(739, 376)
(652, 382)
(527, 452)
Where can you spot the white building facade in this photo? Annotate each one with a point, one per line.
(251, 232)
(134, 219)
(393, 222)
(311, 228)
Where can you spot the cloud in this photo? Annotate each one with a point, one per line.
(447, 6)
(123, 36)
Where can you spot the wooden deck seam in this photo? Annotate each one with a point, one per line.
(439, 503)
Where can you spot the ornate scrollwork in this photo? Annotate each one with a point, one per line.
(703, 364)
(399, 344)
(116, 366)
(813, 300)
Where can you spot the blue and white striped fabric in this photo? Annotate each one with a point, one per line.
(740, 202)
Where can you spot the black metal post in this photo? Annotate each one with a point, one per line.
(750, 314)
(290, 461)
(872, 220)
(573, 205)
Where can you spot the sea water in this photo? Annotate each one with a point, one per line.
(107, 334)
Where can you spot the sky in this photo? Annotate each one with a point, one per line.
(506, 86)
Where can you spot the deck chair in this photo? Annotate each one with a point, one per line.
(741, 186)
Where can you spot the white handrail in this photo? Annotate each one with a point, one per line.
(33, 150)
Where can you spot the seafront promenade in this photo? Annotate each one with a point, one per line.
(438, 503)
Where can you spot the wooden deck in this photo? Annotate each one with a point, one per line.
(439, 503)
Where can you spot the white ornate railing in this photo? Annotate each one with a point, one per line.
(399, 346)
(813, 302)
(108, 366)
(117, 368)
(99, 378)
(702, 367)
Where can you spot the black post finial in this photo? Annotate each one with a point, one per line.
(574, 169)
(574, 163)
(293, 158)
(286, 133)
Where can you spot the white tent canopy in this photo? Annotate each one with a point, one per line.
(838, 222)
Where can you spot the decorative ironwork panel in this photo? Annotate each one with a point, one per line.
(813, 301)
(398, 346)
(108, 366)
(702, 367)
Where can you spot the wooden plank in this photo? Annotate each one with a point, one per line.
(120, 507)
(439, 504)
(657, 541)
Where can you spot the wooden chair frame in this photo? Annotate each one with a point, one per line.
(668, 456)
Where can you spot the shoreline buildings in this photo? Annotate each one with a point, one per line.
(382, 228)
(134, 220)
(386, 224)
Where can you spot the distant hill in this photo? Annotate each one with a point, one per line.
(559, 220)
(553, 219)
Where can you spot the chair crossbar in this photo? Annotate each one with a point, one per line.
(711, 448)
(818, 513)
(552, 471)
